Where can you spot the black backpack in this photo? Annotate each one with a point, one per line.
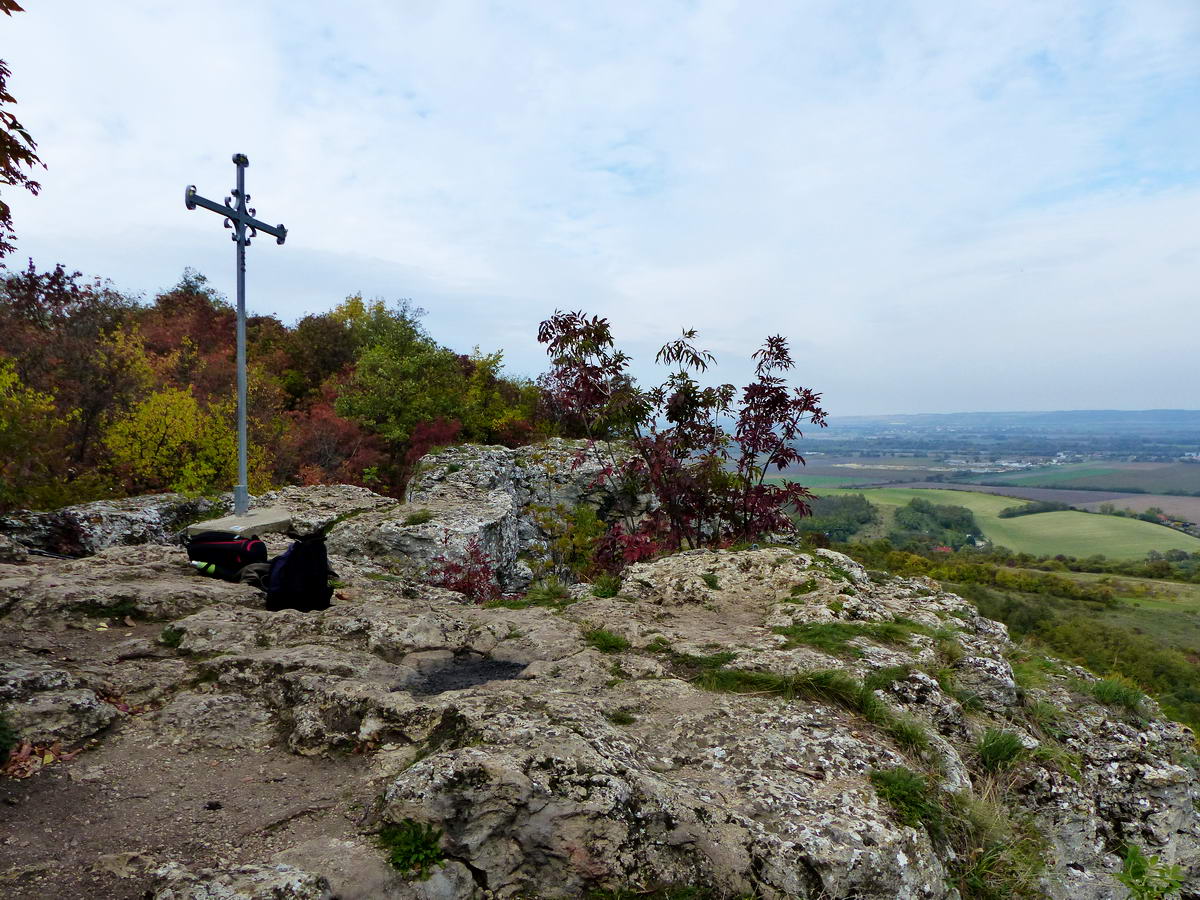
(227, 554)
(299, 577)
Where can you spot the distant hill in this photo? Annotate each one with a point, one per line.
(1060, 421)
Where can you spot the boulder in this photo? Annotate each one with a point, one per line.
(499, 499)
(91, 527)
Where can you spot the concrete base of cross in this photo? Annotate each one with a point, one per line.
(255, 522)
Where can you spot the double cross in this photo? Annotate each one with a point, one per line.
(240, 218)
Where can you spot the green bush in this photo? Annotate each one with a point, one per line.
(605, 641)
(1146, 877)
(710, 579)
(413, 848)
(171, 637)
(998, 750)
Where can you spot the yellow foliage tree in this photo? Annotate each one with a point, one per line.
(170, 441)
(31, 432)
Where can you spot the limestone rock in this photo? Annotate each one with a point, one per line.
(146, 582)
(318, 506)
(46, 704)
(497, 496)
(91, 527)
(554, 768)
(11, 551)
(278, 882)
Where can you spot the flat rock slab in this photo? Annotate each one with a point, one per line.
(255, 522)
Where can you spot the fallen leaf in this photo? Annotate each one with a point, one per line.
(129, 621)
(47, 759)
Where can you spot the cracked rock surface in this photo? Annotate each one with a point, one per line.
(233, 752)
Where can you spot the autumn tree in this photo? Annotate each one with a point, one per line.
(18, 150)
(60, 328)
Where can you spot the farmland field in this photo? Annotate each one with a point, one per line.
(1186, 508)
(815, 482)
(1156, 478)
(1069, 533)
(1054, 495)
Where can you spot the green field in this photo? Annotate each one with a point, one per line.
(1069, 533)
(1153, 478)
(815, 482)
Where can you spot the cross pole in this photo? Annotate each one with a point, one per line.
(240, 218)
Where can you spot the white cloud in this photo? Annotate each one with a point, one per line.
(945, 206)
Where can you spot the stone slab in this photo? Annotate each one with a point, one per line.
(255, 522)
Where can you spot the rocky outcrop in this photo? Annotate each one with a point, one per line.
(503, 499)
(721, 724)
(91, 527)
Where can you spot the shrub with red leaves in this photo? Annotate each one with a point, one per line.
(471, 575)
(711, 485)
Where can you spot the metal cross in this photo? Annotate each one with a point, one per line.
(240, 218)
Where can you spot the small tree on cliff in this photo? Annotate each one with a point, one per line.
(710, 482)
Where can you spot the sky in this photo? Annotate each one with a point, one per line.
(944, 206)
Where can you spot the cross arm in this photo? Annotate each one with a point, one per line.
(276, 231)
(191, 199)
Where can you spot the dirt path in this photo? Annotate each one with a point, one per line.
(98, 824)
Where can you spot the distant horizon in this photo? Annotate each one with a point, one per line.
(999, 412)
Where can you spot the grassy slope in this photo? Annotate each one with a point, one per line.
(1070, 533)
(1167, 611)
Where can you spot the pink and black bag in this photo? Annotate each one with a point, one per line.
(228, 553)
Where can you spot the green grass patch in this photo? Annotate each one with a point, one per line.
(605, 641)
(998, 750)
(606, 586)
(549, 592)
(1116, 692)
(913, 799)
(710, 579)
(420, 517)
(804, 587)
(620, 717)
(171, 637)
(1069, 533)
(834, 637)
(828, 685)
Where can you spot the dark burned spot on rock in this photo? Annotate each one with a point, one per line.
(463, 670)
